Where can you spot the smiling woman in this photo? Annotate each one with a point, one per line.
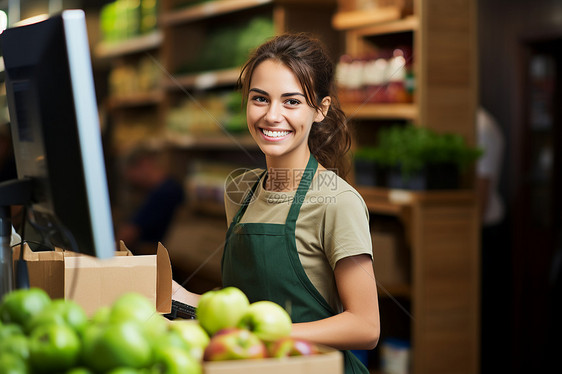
(302, 76)
(299, 234)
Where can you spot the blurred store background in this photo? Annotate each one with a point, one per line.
(413, 78)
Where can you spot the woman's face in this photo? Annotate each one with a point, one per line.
(278, 116)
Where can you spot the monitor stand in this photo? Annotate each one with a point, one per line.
(14, 192)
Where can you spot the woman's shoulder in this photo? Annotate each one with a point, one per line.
(329, 183)
(335, 193)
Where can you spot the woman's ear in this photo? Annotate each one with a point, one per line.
(324, 107)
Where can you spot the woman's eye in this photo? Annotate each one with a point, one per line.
(259, 99)
(293, 102)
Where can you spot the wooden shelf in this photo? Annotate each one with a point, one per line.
(386, 201)
(380, 111)
(359, 18)
(408, 24)
(130, 46)
(135, 100)
(207, 10)
(394, 291)
(217, 141)
(203, 80)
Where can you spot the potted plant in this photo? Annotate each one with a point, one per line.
(421, 159)
(369, 171)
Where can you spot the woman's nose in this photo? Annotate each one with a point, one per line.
(274, 113)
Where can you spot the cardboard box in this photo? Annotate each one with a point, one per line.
(93, 283)
(391, 259)
(328, 362)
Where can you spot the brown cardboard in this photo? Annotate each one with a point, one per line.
(329, 362)
(93, 283)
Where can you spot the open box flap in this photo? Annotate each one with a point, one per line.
(163, 280)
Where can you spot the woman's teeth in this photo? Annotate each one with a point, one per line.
(275, 134)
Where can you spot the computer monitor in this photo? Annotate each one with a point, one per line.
(56, 132)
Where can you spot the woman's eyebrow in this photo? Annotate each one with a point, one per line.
(262, 92)
(292, 94)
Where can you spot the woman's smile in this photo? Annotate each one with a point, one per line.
(275, 135)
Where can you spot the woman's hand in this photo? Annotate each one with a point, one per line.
(181, 294)
(358, 326)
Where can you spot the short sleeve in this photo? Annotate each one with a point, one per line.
(346, 229)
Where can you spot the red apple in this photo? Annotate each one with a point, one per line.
(292, 347)
(235, 344)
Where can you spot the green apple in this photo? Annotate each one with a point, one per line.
(221, 309)
(61, 312)
(10, 329)
(127, 371)
(17, 345)
(119, 344)
(79, 370)
(135, 307)
(170, 339)
(235, 344)
(12, 364)
(194, 336)
(290, 346)
(132, 306)
(174, 360)
(101, 316)
(21, 305)
(53, 348)
(267, 320)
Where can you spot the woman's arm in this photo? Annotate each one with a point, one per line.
(358, 326)
(181, 294)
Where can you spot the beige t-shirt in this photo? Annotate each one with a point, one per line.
(333, 223)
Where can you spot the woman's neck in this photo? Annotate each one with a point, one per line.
(285, 173)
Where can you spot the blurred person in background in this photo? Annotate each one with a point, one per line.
(495, 281)
(149, 224)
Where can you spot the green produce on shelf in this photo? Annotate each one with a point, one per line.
(124, 19)
(230, 46)
(209, 113)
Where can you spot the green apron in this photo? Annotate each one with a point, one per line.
(262, 260)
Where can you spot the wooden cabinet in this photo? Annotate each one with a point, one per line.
(441, 303)
(441, 230)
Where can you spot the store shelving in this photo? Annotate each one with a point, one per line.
(440, 228)
(142, 99)
(380, 111)
(204, 80)
(358, 18)
(395, 291)
(208, 10)
(410, 23)
(218, 141)
(129, 46)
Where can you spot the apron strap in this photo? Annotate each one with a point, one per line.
(300, 194)
(247, 200)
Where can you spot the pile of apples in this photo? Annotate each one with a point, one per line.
(40, 335)
(240, 330)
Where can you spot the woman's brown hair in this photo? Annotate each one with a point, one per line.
(305, 56)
